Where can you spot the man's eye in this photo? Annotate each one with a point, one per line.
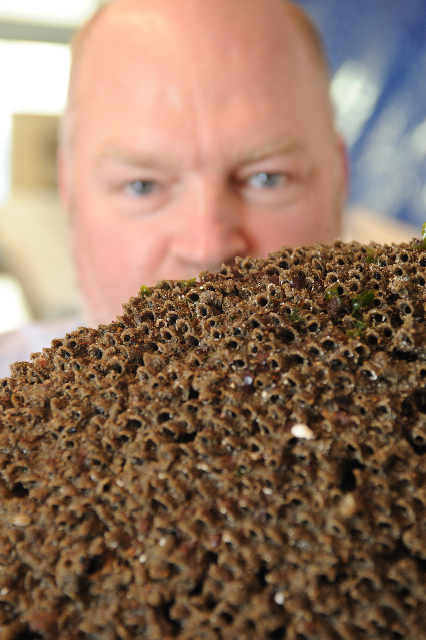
(265, 180)
(140, 187)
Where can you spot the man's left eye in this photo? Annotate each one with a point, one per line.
(266, 180)
(140, 187)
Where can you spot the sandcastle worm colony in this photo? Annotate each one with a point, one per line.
(241, 457)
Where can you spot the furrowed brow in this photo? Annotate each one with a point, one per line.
(277, 148)
(133, 159)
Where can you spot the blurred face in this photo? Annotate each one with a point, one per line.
(200, 131)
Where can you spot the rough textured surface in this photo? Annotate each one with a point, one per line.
(238, 458)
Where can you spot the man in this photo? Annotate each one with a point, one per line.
(196, 131)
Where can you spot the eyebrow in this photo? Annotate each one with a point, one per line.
(277, 148)
(132, 158)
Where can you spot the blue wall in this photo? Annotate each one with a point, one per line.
(384, 42)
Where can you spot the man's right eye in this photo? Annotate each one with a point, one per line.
(140, 187)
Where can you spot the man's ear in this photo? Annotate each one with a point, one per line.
(343, 167)
(64, 176)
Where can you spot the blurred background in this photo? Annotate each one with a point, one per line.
(37, 279)
(377, 52)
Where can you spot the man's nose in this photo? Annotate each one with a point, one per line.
(212, 228)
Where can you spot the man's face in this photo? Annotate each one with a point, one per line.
(201, 131)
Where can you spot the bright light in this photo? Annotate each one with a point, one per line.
(48, 10)
(33, 76)
(354, 95)
(33, 79)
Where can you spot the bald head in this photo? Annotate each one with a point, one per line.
(196, 130)
(141, 11)
(289, 10)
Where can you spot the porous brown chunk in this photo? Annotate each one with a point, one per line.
(241, 458)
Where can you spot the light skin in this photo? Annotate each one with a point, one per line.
(199, 130)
